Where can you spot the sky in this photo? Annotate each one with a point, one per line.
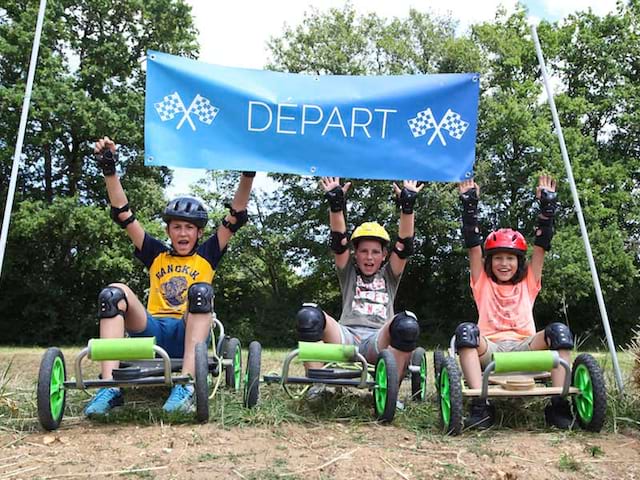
(235, 33)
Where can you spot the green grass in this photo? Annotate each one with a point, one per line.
(18, 378)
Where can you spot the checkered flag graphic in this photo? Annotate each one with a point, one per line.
(169, 107)
(202, 108)
(453, 123)
(422, 122)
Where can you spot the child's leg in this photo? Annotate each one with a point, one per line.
(119, 310)
(197, 323)
(470, 363)
(315, 325)
(400, 336)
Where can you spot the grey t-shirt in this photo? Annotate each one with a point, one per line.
(367, 301)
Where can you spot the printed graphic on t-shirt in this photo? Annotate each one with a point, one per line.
(371, 298)
(174, 291)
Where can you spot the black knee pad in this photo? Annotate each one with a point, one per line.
(311, 322)
(467, 335)
(108, 300)
(200, 298)
(404, 331)
(558, 336)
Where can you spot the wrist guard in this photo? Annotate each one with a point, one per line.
(548, 203)
(241, 219)
(336, 199)
(407, 200)
(115, 216)
(408, 249)
(470, 227)
(544, 233)
(107, 161)
(335, 242)
(249, 174)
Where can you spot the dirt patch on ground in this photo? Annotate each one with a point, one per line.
(82, 449)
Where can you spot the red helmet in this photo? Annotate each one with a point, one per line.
(505, 240)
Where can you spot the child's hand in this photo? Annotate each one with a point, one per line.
(411, 185)
(105, 152)
(467, 185)
(545, 182)
(104, 143)
(329, 183)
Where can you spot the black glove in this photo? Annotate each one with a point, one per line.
(249, 174)
(107, 162)
(407, 200)
(336, 199)
(548, 203)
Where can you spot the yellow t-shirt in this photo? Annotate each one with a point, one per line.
(170, 276)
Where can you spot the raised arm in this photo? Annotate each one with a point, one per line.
(336, 196)
(547, 198)
(403, 247)
(106, 154)
(469, 195)
(237, 215)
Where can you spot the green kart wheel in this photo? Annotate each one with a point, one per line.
(233, 372)
(438, 358)
(201, 383)
(51, 394)
(385, 393)
(419, 379)
(450, 393)
(590, 405)
(252, 376)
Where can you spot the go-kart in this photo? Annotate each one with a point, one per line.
(344, 366)
(139, 367)
(522, 374)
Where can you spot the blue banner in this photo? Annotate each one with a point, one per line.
(420, 127)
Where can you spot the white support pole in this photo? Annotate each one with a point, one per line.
(23, 124)
(576, 202)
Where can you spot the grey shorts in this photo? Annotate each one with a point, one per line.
(366, 338)
(504, 346)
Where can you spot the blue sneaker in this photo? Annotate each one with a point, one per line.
(103, 401)
(180, 400)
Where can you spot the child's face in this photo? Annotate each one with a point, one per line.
(369, 256)
(504, 266)
(183, 236)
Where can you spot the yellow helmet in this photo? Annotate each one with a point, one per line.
(371, 230)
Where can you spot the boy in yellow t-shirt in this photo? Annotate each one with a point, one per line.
(180, 303)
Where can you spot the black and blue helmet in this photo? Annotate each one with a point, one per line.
(189, 209)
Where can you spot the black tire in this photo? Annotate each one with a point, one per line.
(233, 372)
(201, 383)
(438, 357)
(385, 394)
(419, 379)
(590, 406)
(252, 376)
(51, 395)
(221, 346)
(450, 395)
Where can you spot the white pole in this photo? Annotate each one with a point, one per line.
(23, 124)
(576, 202)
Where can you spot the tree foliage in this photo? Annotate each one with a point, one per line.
(63, 249)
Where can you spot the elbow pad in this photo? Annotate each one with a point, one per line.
(115, 216)
(335, 242)
(470, 227)
(408, 249)
(544, 233)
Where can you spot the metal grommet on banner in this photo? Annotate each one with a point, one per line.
(313, 169)
(152, 57)
(468, 174)
(475, 78)
(150, 158)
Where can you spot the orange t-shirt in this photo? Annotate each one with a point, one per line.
(505, 312)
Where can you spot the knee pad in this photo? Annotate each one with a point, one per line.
(200, 298)
(108, 300)
(404, 331)
(558, 336)
(467, 335)
(311, 322)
